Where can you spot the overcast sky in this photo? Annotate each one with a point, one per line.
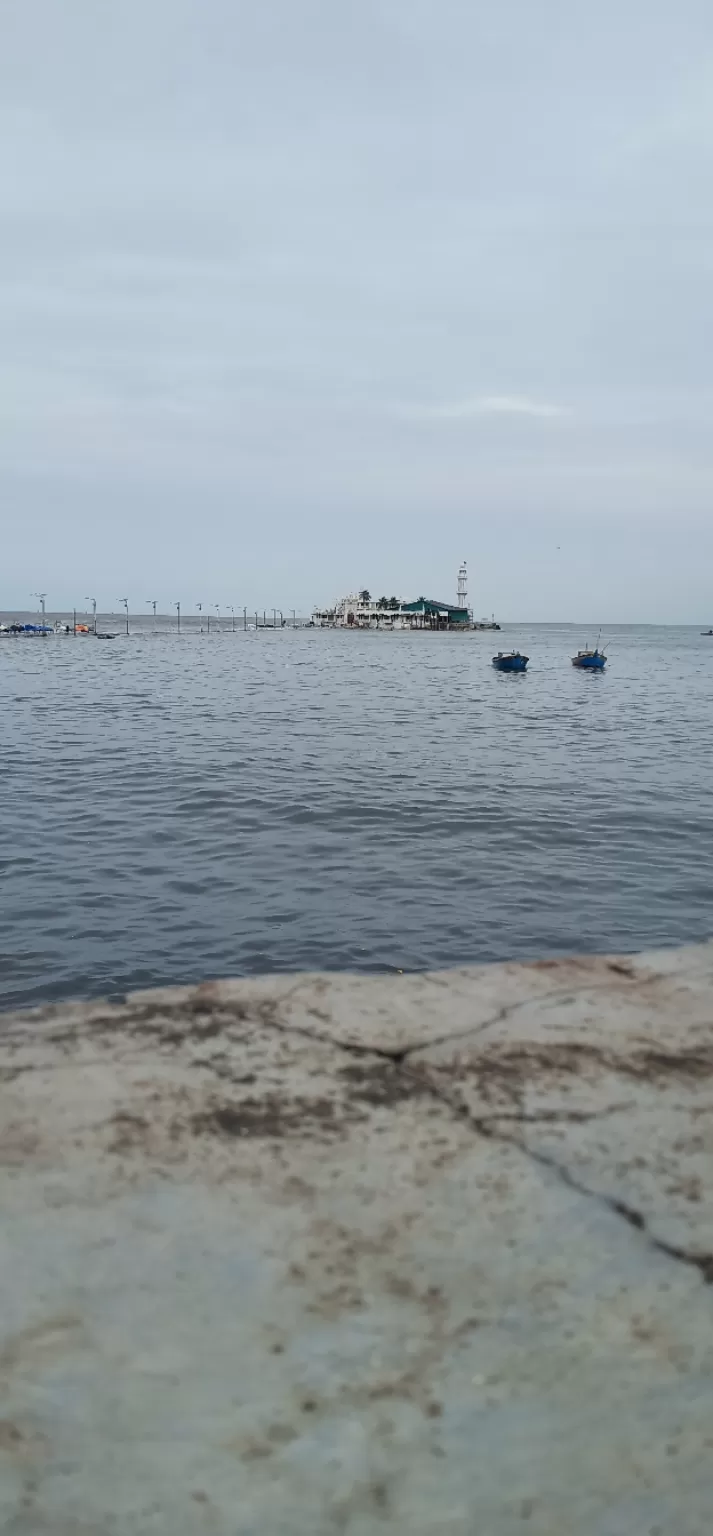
(303, 295)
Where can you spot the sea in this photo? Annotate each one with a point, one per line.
(179, 807)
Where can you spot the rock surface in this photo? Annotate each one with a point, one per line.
(333, 1254)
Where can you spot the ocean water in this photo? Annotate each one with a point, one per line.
(175, 808)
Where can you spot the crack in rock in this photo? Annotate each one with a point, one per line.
(209, 1016)
(486, 1126)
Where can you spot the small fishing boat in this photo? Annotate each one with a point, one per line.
(590, 661)
(510, 661)
(707, 631)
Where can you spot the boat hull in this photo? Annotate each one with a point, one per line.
(510, 663)
(595, 662)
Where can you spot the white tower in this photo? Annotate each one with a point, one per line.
(463, 586)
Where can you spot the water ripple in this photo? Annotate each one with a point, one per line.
(302, 800)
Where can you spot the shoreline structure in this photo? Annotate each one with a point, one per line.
(314, 1253)
(360, 610)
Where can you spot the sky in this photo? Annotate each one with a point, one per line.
(301, 296)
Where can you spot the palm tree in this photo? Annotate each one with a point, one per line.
(383, 602)
(365, 596)
(394, 602)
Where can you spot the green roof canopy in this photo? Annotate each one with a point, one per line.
(429, 605)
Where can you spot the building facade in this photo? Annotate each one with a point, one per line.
(360, 610)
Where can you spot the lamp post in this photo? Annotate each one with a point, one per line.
(93, 602)
(151, 603)
(199, 606)
(41, 596)
(232, 610)
(125, 604)
(177, 607)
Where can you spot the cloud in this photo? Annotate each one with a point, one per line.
(484, 405)
(243, 270)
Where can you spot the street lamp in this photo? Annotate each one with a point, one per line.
(93, 602)
(232, 610)
(125, 604)
(177, 607)
(199, 606)
(41, 596)
(151, 603)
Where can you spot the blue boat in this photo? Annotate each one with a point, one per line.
(510, 661)
(30, 629)
(590, 661)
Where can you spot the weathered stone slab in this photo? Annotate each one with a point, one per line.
(298, 1256)
(612, 1082)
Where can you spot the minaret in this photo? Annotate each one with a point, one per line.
(463, 586)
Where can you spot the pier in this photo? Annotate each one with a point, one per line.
(357, 611)
(110, 624)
